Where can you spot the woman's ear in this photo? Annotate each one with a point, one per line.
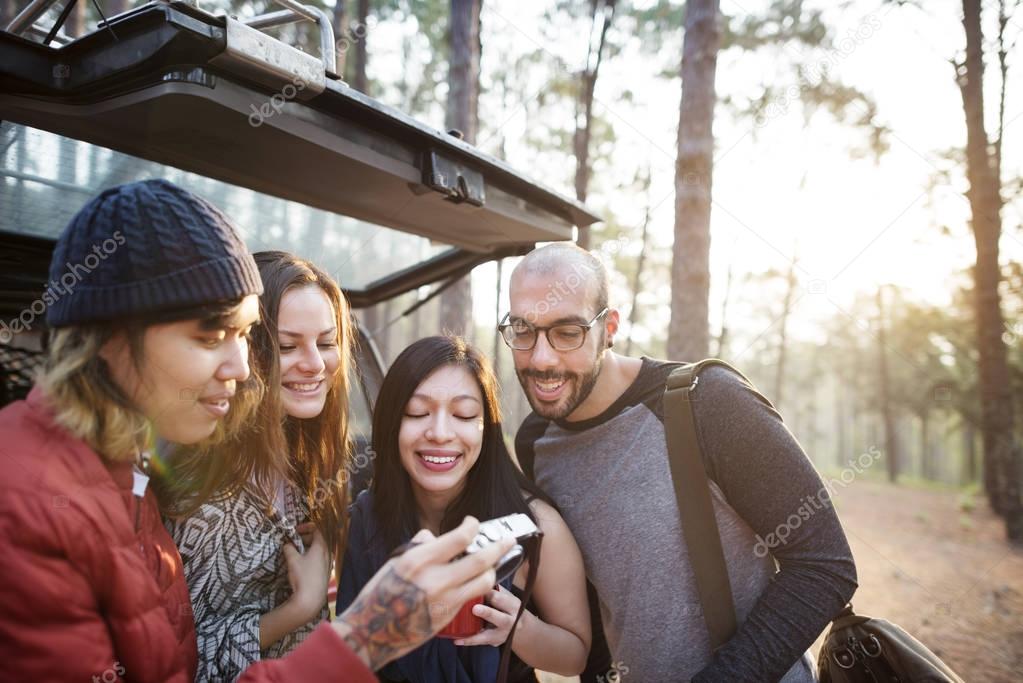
(120, 365)
(115, 350)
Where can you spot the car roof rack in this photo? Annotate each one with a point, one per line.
(169, 83)
(213, 95)
(292, 12)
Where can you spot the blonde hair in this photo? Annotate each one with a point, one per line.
(88, 403)
(85, 401)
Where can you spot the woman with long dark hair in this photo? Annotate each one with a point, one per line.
(258, 519)
(440, 455)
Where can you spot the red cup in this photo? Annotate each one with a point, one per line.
(465, 623)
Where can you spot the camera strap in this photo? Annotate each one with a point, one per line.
(531, 546)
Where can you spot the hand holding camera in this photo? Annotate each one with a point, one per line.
(467, 626)
(499, 611)
(393, 613)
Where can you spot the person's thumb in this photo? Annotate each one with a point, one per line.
(290, 553)
(423, 536)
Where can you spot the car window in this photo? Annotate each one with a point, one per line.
(45, 178)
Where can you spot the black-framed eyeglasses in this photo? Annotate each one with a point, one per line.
(521, 336)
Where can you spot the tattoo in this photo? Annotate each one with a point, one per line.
(389, 621)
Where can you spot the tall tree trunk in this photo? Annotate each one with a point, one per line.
(857, 398)
(884, 394)
(67, 170)
(601, 13)
(115, 7)
(1003, 72)
(812, 402)
(462, 114)
(75, 26)
(342, 37)
(970, 451)
(688, 332)
(384, 338)
(464, 68)
(722, 345)
(926, 460)
(7, 12)
(372, 322)
(640, 264)
(498, 343)
(779, 377)
(361, 57)
(840, 423)
(996, 396)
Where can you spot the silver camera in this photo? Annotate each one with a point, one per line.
(518, 526)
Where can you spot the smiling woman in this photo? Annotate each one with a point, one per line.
(257, 520)
(441, 455)
(309, 352)
(440, 438)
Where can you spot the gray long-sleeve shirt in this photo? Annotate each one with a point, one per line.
(611, 479)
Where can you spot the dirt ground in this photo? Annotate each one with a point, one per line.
(936, 563)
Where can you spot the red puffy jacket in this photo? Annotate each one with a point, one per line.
(91, 584)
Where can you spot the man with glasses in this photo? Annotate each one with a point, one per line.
(595, 443)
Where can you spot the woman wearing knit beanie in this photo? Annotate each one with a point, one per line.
(149, 340)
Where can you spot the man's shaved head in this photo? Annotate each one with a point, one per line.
(560, 258)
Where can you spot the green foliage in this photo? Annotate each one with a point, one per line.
(420, 91)
(656, 25)
(805, 52)
(784, 22)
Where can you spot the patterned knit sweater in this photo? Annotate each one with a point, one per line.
(235, 571)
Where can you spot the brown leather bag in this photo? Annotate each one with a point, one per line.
(857, 649)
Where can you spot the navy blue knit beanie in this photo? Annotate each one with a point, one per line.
(144, 247)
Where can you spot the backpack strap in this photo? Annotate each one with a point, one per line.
(695, 508)
(525, 439)
(526, 457)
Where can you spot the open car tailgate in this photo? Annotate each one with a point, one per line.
(162, 90)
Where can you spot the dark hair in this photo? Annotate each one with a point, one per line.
(495, 487)
(313, 454)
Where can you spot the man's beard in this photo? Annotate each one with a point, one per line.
(581, 387)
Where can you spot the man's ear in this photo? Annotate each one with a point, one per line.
(611, 322)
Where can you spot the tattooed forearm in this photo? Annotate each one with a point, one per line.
(388, 621)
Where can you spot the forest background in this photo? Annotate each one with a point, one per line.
(827, 195)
